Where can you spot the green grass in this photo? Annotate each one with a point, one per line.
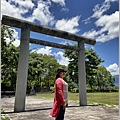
(105, 99)
(4, 117)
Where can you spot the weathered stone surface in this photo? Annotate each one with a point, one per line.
(38, 109)
(15, 22)
(51, 44)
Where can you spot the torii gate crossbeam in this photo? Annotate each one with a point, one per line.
(26, 27)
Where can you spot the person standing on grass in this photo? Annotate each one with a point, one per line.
(60, 95)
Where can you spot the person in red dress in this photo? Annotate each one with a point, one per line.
(60, 95)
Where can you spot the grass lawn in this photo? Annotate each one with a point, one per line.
(110, 99)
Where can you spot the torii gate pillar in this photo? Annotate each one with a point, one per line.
(21, 84)
(82, 74)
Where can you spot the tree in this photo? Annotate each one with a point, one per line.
(49, 70)
(35, 65)
(104, 79)
(42, 70)
(92, 61)
(9, 57)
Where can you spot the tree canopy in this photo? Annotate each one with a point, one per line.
(93, 68)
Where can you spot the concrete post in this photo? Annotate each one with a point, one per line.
(82, 75)
(21, 84)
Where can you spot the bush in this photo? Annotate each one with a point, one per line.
(52, 89)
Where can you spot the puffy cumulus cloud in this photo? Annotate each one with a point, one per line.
(18, 8)
(108, 24)
(99, 9)
(47, 50)
(11, 10)
(43, 14)
(69, 25)
(113, 69)
(63, 60)
(24, 3)
(8, 9)
(61, 2)
(109, 28)
(92, 33)
(23, 6)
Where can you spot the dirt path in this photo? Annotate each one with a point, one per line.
(38, 109)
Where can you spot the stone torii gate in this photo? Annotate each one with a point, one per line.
(25, 39)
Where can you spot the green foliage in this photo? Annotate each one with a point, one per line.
(42, 70)
(92, 61)
(5, 118)
(93, 70)
(104, 79)
(9, 57)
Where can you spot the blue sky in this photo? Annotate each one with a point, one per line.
(97, 19)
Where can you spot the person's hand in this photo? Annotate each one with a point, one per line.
(64, 105)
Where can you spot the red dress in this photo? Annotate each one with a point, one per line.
(58, 98)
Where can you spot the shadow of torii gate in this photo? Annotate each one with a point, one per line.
(26, 27)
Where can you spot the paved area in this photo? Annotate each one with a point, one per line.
(38, 109)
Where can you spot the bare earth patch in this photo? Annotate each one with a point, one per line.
(38, 109)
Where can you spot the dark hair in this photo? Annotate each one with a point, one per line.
(57, 76)
(58, 71)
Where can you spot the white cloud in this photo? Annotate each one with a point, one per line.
(43, 14)
(8, 9)
(67, 42)
(16, 43)
(23, 6)
(70, 25)
(65, 9)
(111, 0)
(99, 10)
(47, 50)
(63, 60)
(113, 69)
(27, 3)
(109, 28)
(61, 2)
(40, 13)
(15, 35)
(12, 10)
